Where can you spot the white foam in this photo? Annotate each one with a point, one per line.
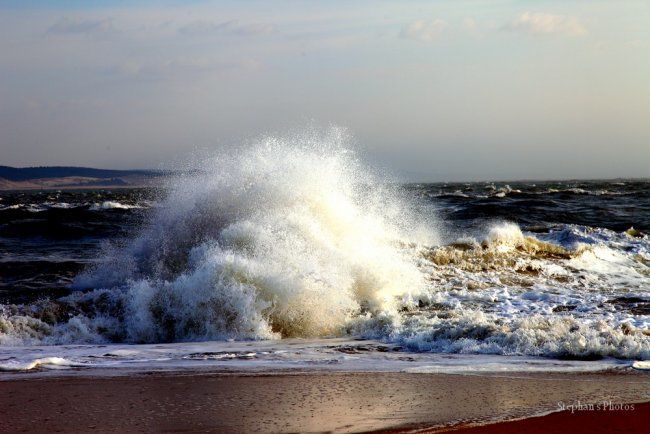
(505, 236)
(61, 205)
(323, 354)
(111, 205)
(45, 362)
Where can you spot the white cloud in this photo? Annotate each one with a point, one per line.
(422, 30)
(233, 27)
(71, 26)
(546, 24)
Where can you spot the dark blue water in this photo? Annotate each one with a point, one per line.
(46, 238)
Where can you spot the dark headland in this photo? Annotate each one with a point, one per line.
(60, 177)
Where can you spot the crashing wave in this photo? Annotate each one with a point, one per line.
(286, 238)
(295, 238)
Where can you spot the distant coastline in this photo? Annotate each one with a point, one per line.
(74, 178)
(58, 178)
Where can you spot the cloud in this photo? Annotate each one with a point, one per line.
(422, 30)
(71, 26)
(233, 27)
(546, 24)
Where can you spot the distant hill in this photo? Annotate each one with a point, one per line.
(25, 173)
(13, 178)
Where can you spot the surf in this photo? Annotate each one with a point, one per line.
(287, 237)
(295, 237)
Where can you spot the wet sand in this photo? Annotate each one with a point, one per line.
(213, 402)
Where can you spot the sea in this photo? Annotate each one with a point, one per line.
(294, 256)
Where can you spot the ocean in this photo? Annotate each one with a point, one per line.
(287, 256)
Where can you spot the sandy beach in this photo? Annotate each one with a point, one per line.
(313, 216)
(310, 402)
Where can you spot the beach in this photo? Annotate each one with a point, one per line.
(128, 311)
(315, 402)
(386, 217)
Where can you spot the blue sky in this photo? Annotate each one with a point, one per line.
(447, 90)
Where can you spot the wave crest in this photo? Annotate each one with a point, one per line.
(285, 238)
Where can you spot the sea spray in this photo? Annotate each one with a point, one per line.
(294, 237)
(288, 237)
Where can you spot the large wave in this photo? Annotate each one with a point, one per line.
(294, 237)
(284, 238)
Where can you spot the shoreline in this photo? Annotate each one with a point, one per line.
(304, 401)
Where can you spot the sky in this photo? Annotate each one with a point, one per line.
(431, 90)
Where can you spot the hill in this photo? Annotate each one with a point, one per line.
(47, 177)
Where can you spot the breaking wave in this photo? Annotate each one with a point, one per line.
(294, 237)
(284, 238)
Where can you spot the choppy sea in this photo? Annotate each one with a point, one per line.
(288, 257)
